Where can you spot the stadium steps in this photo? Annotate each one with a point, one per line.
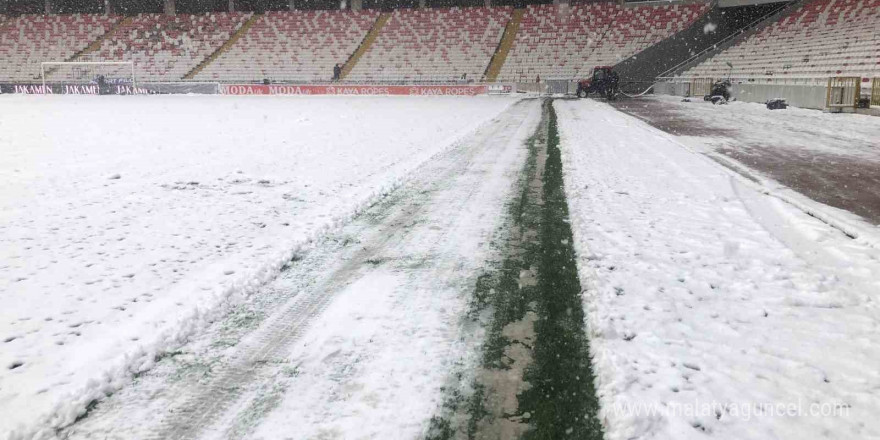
(100, 41)
(639, 71)
(94, 46)
(224, 47)
(735, 38)
(507, 39)
(369, 39)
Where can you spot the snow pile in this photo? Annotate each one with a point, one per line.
(127, 223)
(713, 309)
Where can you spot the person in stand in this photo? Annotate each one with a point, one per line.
(538, 79)
(337, 71)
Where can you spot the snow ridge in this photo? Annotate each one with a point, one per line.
(843, 221)
(74, 405)
(706, 300)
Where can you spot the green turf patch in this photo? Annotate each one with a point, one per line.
(562, 400)
(535, 379)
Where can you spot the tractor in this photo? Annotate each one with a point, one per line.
(603, 80)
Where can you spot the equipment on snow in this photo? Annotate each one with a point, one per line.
(603, 80)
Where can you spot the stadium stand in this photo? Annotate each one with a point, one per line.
(566, 41)
(425, 44)
(28, 40)
(434, 45)
(292, 46)
(165, 47)
(818, 39)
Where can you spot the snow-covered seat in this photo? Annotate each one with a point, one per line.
(28, 40)
(165, 47)
(292, 46)
(566, 41)
(818, 39)
(434, 44)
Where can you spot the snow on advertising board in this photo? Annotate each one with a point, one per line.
(244, 89)
(73, 89)
(164, 88)
(500, 89)
(414, 90)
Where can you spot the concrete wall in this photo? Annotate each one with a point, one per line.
(804, 96)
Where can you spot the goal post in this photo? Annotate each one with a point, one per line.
(85, 72)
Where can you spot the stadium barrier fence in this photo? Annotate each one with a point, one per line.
(701, 86)
(109, 89)
(72, 89)
(804, 92)
(213, 88)
(843, 92)
(343, 89)
(533, 88)
(265, 89)
(875, 92)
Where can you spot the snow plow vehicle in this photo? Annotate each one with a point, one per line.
(720, 93)
(603, 81)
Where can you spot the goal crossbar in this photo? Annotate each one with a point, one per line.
(86, 63)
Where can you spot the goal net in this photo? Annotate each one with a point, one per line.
(109, 73)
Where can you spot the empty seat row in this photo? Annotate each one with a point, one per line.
(566, 41)
(820, 38)
(166, 47)
(292, 46)
(28, 40)
(434, 45)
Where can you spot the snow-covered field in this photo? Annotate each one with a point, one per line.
(356, 338)
(200, 261)
(795, 130)
(128, 222)
(713, 308)
(830, 158)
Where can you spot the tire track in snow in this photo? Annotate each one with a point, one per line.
(210, 403)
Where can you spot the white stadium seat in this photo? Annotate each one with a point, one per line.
(434, 45)
(292, 46)
(819, 39)
(29, 40)
(566, 41)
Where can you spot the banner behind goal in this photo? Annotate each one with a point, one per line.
(88, 72)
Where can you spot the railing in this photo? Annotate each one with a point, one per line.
(386, 80)
(724, 40)
(875, 92)
(843, 92)
(702, 86)
(767, 80)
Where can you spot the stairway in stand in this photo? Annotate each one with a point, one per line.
(504, 46)
(365, 45)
